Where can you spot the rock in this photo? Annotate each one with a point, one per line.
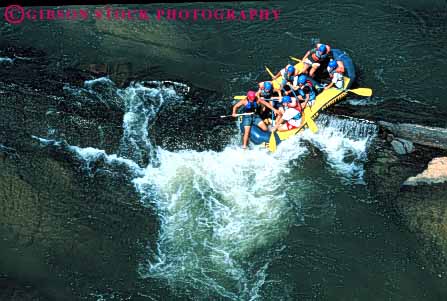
(68, 230)
(436, 172)
(421, 208)
(402, 146)
(423, 135)
(424, 211)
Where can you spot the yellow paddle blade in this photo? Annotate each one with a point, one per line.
(239, 97)
(272, 143)
(367, 92)
(295, 59)
(269, 72)
(310, 122)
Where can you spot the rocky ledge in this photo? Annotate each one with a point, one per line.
(407, 170)
(435, 173)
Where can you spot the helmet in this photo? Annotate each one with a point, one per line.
(251, 95)
(332, 64)
(290, 69)
(322, 48)
(302, 79)
(286, 99)
(267, 86)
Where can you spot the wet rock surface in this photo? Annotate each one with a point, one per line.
(423, 208)
(65, 225)
(402, 146)
(78, 228)
(193, 123)
(436, 173)
(429, 136)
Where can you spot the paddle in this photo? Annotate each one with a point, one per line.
(240, 97)
(312, 126)
(307, 116)
(367, 92)
(272, 143)
(295, 59)
(225, 116)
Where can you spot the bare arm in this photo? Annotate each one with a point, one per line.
(268, 105)
(305, 101)
(237, 106)
(341, 67)
(329, 86)
(306, 55)
(277, 75)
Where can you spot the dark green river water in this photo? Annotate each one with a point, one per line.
(297, 225)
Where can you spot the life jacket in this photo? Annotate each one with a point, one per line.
(266, 94)
(308, 88)
(331, 73)
(296, 107)
(251, 106)
(339, 69)
(288, 77)
(298, 115)
(335, 70)
(317, 56)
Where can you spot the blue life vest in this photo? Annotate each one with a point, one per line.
(288, 77)
(307, 86)
(251, 106)
(266, 94)
(297, 116)
(321, 56)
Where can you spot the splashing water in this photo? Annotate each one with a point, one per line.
(219, 211)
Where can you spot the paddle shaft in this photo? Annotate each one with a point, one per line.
(242, 114)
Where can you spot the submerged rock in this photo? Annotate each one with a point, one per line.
(64, 229)
(424, 210)
(402, 146)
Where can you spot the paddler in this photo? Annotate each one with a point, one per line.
(252, 104)
(266, 90)
(292, 115)
(288, 75)
(313, 58)
(336, 75)
(306, 91)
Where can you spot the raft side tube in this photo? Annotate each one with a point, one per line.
(340, 55)
(258, 136)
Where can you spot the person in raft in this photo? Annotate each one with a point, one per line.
(306, 91)
(288, 75)
(336, 75)
(313, 58)
(266, 90)
(292, 115)
(252, 104)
